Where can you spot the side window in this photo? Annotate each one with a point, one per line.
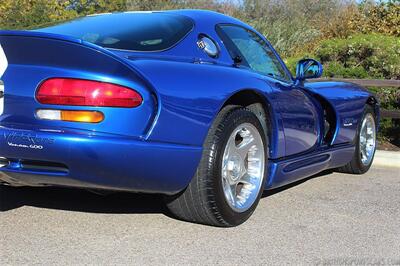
(257, 54)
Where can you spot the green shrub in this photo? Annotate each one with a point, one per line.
(369, 56)
(389, 98)
(361, 56)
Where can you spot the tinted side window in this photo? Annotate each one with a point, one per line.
(255, 51)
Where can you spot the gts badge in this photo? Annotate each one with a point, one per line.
(26, 140)
(348, 122)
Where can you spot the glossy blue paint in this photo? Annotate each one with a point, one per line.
(95, 160)
(156, 147)
(348, 101)
(288, 170)
(70, 59)
(308, 69)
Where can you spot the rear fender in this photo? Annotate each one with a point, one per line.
(191, 95)
(34, 57)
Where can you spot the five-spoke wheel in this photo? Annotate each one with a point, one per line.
(243, 167)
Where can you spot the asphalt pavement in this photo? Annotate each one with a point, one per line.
(331, 219)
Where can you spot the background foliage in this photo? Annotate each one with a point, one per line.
(352, 39)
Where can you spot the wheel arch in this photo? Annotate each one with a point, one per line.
(260, 105)
(374, 103)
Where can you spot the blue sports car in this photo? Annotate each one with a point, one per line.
(194, 105)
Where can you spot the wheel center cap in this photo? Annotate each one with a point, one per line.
(234, 168)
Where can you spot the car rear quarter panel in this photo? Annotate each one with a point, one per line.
(192, 94)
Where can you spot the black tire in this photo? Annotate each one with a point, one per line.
(355, 166)
(203, 201)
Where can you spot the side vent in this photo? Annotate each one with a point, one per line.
(40, 167)
(329, 122)
(45, 167)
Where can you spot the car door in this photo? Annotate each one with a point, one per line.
(297, 109)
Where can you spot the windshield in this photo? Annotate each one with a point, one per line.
(127, 31)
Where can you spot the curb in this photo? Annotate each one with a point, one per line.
(387, 159)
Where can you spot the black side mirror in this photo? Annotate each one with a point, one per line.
(308, 69)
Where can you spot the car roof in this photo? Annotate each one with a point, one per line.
(211, 17)
(199, 16)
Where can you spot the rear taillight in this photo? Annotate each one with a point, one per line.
(78, 92)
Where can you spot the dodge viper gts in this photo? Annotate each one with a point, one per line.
(193, 105)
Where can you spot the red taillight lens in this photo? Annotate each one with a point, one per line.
(79, 92)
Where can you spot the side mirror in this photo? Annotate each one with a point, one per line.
(308, 69)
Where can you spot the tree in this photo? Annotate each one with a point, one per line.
(19, 14)
(86, 7)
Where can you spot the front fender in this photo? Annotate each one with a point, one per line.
(348, 101)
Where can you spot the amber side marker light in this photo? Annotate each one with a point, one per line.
(71, 116)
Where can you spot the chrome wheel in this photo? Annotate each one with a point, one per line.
(367, 139)
(243, 166)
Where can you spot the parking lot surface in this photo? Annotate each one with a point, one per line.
(329, 219)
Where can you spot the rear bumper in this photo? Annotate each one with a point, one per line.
(36, 157)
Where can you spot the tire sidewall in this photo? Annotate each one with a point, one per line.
(364, 168)
(229, 123)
